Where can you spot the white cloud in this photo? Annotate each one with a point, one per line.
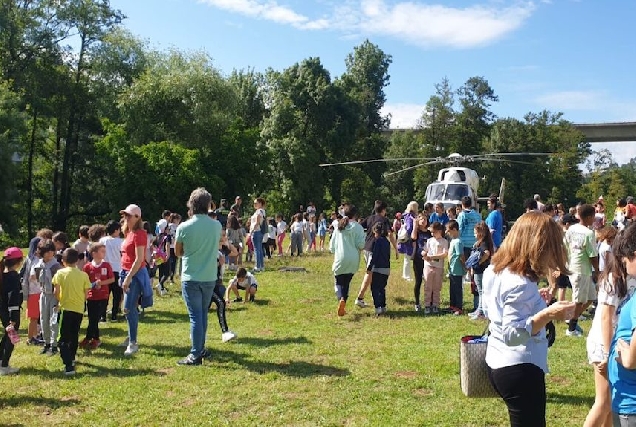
(609, 107)
(622, 152)
(415, 22)
(404, 116)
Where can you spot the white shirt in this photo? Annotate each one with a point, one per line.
(510, 302)
(281, 227)
(595, 334)
(436, 247)
(254, 225)
(173, 232)
(161, 225)
(296, 227)
(113, 251)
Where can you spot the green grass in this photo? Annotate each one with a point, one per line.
(294, 364)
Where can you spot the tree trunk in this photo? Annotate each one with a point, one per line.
(30, 176)
(56, 172)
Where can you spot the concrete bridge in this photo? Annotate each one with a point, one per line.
(594, 132)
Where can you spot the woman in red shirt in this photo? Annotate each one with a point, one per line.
(134, 276)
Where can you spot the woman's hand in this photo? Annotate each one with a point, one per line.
(601, 367)
(562, 310)
(546, 294)
(622, 353)
(126, 284)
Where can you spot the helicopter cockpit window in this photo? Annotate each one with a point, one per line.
(436, 192)
(454, 175)
(456, 191)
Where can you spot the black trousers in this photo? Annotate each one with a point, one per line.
(456, 291)
(418, 270)
(522, 387)
(6, 346)
(342, 286)
(219, 300)
(378, 289)
(173, 263)
(117, 293)
(164, 274)
(70, 322)
(95, 311)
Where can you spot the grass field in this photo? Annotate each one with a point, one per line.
(294, 364)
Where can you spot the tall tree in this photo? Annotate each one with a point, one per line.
(475, 119)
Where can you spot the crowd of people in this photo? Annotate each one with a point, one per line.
(578, 248)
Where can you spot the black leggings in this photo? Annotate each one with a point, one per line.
(522, 387)
(117, 292)
(418, 270)
(6, 346)
(164, 274)
(218, 299)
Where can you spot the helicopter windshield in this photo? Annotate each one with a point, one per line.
(441, 192)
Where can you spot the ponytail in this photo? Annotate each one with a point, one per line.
(343, 222)
(349, 212)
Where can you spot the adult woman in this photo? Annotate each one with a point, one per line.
(517, 351)
(134, 277)
(419, 237)
(406, 248)
(258, 228)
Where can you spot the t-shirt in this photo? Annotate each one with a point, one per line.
(254, 224)
(296, 227)
(368, 224)
(113, 251)
(281, 227)
(604, 250)
(494, 220)
(581, 245)
(73, 285)
(467, 220)
(622, 380)
(442, 219)
(630, 210)
(200, 237)
(161, 226)
(248, 281)
(102, 271)
(455, 252)
(82, 248)
(44, 272)
(595, 334)
(436, 247)
(128, 247)
(482, 265)
(172, 227)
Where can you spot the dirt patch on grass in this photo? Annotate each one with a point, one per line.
(406, 374)
(560, 380)
(423, 392)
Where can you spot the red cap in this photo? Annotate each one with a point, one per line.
(13, 253)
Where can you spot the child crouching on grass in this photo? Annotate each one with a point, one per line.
(10, 303)
(244, 281)
(379, 267)
(71, 289)
(101, 276)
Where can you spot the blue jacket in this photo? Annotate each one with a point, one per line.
(381, 254)
(467, 220)
(143, 278)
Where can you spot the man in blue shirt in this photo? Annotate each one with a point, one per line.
(467, 220)
(494, 220)
(439, 215)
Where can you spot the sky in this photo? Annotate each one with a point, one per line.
(571, 56)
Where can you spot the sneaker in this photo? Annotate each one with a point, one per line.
(34, 341)
(53, 350)
(427, 310)
(574, 333)
(252, 298)
(418, 308)
(341, 307)
(95, 344)
(163, 292)
(239, 299)
(581, 317)
(190, 360)
(360, 303)
(131, 349)
(84, 343)
(69, 370)
(457, 312)
(8, 370)
(379, 311)
(228, 336)
(45, 349)
(113, 318)
(435, 309)
(124, 344)
(102, 320)
(205, 354)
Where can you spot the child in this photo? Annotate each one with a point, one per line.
(60, 239)
(42, 272)
(484, 248)
(244, 281)
(379, 267)
(71, 289)
(281, 229)
(346, 243)
(322, 231)
(452, 213)
(434, 255)
(31, 291)
(218, 296)
(112, 242)
(10, 303)
(455, 267)
(81, 245)
(296, 229)
(562, 281)
(311, 225)
(100, 273)
(419, 237)
(249, 256)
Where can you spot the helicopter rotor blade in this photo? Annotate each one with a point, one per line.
(513, 154)
(491, 159)
(360, 162)
(432, 162)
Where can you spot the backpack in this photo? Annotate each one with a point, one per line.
(473, 259)
(159, 255)
(264, 224)
(403, 234)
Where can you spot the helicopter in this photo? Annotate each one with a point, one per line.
(453, 182)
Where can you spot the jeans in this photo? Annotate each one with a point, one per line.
(296, 243)
(131, 300)
(342, 286)
(522, 387)
(197, 297)
(624, 420)
(456, 291)
(257, 240)
(479, 279)
(378, 289)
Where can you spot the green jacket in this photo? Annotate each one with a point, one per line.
(346, 246)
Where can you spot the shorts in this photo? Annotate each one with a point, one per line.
(243, 287)
(33, 306)
(563, 282)
(594, 351)
(583, 288)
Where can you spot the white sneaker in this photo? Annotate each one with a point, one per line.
(360, 303)
(8, 370)
(163, 292)
(124, 343)
(574, 333)
(418, 308)
(228, 336)
(379, 311)
(131, 349)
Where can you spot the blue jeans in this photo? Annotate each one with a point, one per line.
(257, 242)
(197, 297)
(131, 300)
(479, 278)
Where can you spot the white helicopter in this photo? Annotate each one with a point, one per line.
(454, 182)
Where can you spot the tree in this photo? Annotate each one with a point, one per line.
(475, 119)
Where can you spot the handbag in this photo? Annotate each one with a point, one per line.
(473, 371)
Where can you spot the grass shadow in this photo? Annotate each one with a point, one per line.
(402, 301)
(160, 316)
(89, 369)
(261, 302)
(567, 399)
(25, 400)
(266, 342)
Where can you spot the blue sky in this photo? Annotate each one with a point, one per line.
(573, 56)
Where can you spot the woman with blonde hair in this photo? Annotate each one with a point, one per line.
(406, 247)
(517, 351)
